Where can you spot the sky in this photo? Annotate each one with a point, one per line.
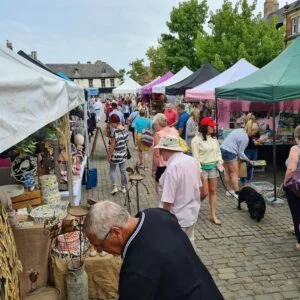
(68, 31)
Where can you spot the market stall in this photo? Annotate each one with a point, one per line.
(146, 90)
(42, 149)
(206, 91)
(275, 87)
(31, 98)
(206, 72)
(140, 90)
(160, 88)
(129, 87)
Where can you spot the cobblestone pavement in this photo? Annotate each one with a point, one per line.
(248, 260)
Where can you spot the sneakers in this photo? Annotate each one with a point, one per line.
(114, 190)
(231, 193)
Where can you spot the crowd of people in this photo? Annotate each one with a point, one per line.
(187, 159)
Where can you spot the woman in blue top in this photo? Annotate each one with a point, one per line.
(141, 124)
(232, 149)
(293, 164)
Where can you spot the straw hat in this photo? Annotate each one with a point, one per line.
(170, 143)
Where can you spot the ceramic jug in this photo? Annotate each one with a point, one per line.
(77, 284)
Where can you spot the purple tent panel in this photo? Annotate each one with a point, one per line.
(148, 88)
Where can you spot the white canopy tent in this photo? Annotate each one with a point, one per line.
(206, 90)
(31, 98)
(180, 75)
(128, 87)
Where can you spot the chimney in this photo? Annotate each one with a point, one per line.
(88, 62)
(33, 55)
(270, 6)
(9, 45)
(78, 63)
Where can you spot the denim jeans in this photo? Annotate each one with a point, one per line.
(252, 155)
(113, 173)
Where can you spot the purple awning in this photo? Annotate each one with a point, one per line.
(148, 88)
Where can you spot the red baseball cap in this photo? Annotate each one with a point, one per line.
(207, 121)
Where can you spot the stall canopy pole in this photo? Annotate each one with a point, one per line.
(217, 117)
(69, 161)
(274, 151)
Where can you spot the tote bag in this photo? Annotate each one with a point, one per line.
(293, 183)
(147, 136)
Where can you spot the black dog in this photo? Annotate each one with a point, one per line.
(255, 202)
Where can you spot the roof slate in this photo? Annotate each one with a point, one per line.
(99, 69)
(280, 13)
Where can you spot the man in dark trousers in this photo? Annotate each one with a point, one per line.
(159, 261)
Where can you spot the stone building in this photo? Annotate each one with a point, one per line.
(288, 16)
(99, 77)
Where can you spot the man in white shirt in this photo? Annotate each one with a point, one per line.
(98, 108)
(180, 184)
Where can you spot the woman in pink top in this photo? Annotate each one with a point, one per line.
(161, 129)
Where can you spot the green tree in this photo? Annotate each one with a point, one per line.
(156, 57)
(177, 48)
(122, 73)
(236, 32)
(139, 72)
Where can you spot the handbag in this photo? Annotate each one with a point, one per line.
(147, 136)
(293, 183)
(128, 152)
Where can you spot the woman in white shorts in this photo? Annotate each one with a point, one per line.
(206, 149)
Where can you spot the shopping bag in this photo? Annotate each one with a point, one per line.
(242, 169)
(92, 178)
(184, 145)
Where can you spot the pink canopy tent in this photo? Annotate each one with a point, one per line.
(148, 88)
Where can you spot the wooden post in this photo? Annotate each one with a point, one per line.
(69, 161)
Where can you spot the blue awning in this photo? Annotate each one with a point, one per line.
(93, 91)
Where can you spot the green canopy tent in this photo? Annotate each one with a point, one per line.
(277, 81)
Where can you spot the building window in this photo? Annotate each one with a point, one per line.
(103, 83)
(90, 82)
(295, 28)
(112, 82)
(76, 72)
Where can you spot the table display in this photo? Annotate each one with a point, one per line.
(32, 240)
(102, 271)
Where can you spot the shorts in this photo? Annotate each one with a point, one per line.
(210, 174)
(159, 172)
(141, 146)
(228, 156)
